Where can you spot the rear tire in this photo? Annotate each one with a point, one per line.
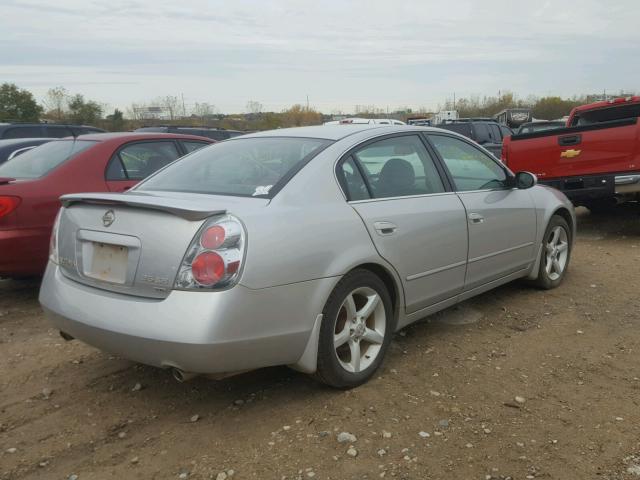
(556, 253)
(357, 326)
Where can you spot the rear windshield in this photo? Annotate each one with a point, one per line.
(41, 160)
(251, 167)
(609, 114)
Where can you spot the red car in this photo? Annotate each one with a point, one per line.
(31, 184)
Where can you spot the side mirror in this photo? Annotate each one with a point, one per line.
(526, 180)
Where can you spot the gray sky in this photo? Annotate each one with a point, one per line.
(340, 53)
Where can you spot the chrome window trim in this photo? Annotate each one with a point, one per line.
(401, 197)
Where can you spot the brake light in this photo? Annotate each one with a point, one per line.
(214, 258)
(53, 242)
(208, 268)
(8, 205)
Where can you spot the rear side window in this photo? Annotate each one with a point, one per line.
(57, 131)
(136, 161)
(250, 167)
(495, 133)
(482, 133)
(23, 132)
(399, 166)
(41, 160)
(506, 131)
(193, 146)
(352, 181)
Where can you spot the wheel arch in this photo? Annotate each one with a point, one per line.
(308, 362)
(566, 215)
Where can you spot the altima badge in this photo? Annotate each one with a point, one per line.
(108, 218)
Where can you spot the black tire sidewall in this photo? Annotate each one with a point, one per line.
(543, 279)
(329, 370)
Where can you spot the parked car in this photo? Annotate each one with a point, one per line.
(17, 146)
(594, 160)
(31, 184)
(487, 133)
(539, 126)
(217, 134)
(41, 130)
(306, 247)
(514, 117)
(365, 121)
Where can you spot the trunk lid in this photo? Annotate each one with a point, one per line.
(134, 243)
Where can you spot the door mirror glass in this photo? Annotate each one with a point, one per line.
(525, 180)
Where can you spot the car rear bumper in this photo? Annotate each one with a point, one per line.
(200, 332)
(584, 188)
(628, 183)
(23, 252)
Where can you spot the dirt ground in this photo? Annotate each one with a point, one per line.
(442, 407)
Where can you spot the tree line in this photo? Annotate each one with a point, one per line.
(59, 105)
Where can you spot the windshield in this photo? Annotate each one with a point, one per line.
(41, 160)
(252, 167)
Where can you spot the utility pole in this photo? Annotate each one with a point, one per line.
(184, 110)
(307, 102)
(454, 100)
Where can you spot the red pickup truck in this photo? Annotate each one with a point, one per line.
(594, 160)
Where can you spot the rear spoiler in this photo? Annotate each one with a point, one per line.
(187, 209)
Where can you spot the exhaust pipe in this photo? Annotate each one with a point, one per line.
(182, 376)
(66, 336)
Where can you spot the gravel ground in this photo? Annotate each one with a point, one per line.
(517, 383)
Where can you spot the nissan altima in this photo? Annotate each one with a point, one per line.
(306, 247)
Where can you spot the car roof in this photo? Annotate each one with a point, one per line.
(333, 132)
(103, 137)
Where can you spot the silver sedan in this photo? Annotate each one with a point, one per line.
(306, 247)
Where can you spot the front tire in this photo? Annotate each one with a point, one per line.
(357, 326)
(556, 253)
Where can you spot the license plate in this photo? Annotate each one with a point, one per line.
(109, 263)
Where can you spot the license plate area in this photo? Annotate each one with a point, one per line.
(105, 258)
(107, 262)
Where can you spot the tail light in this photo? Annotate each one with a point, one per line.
(8, 205)
(53, 242)
(214, 258)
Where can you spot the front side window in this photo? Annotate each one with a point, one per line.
(139, 160)
(251, 167)
(399, 166)
(39, 161)
(470, 168)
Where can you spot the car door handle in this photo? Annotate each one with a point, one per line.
(385, 228)
(476, 218)
(569, 140)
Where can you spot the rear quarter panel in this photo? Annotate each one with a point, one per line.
(308, 231)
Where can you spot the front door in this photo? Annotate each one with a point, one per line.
(415, 224)
(501, 219)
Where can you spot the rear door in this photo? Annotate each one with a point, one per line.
(501, 220)
(135, 161)
(415, 222)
